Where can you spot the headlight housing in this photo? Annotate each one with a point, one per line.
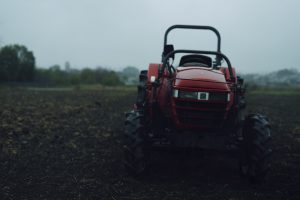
(190, 95)
(187, 95)
(214, 96)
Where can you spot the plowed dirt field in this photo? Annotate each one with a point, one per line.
(67, 145)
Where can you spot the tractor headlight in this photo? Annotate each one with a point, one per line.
(228, 97)
(175, 93)
(185, 94)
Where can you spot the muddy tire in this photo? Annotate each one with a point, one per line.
(135, 157)
(254, 162)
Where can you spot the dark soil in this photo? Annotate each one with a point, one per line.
(67, 145)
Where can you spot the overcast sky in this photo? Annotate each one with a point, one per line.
(257, 36)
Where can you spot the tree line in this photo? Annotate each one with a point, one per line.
(56, 76)
(17, 65)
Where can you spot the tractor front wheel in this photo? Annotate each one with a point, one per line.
(255, 149)
(134, 144)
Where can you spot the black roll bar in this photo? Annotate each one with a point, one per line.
(218, 60)
(194, 27)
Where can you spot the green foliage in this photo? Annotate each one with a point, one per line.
(111, 79)
(55, 76)
(16, 63)
(284, 78)
(88, 76)
(130, 75)
(279, 91)
(130, 71)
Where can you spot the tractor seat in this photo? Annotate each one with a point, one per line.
(195, 60)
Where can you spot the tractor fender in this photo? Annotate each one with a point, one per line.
(226, 73)
(159, 93)
(153, 72)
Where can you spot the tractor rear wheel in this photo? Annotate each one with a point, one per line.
(134, 144)
(254, 161)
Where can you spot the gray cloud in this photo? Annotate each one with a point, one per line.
(258, 36)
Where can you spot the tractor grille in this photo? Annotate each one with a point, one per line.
(217, 96)
(198, 113)
(201, 105)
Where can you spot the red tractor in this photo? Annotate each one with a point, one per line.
(198, 104)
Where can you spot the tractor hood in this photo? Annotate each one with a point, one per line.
(199, 77)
